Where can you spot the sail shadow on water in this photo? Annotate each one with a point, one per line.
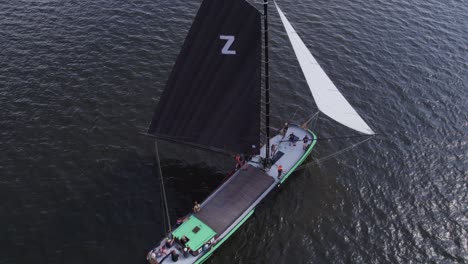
(187, 183)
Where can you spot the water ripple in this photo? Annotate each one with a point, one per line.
(79, 80)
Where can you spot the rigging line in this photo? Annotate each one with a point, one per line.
(305, 123)
(162, 136)
(305, 166)
(294, 114)
(346, 137)
(316, 120)
(194, 145)
(345, 149)
(163, 190)
(163, 207)
(331, 138)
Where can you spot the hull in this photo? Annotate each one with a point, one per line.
(234, 202)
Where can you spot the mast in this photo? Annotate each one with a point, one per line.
(267, 83)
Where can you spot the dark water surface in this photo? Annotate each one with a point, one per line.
(79, 81)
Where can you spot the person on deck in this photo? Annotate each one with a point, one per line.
(284, 130)
(169, 242)
(186, 252)
(183, 240)
(238, 162)
(161, 252)
(174, 256)
(243, 161)
(196, 207)
(182, 220)
(151, 257)
(292, 139)
(274, 148)
(280, 171)
(306, 142)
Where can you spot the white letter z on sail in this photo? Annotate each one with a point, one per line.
(229, 41)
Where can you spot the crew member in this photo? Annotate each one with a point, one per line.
(273, 150)
(292, 139)
(280, 171)
(169, 242)
(238, 162)
(306, 142)
(284, 130)
(183, 240)
(196, 207)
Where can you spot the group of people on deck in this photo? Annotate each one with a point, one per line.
(165, 250)
(292, 141)
(292, 138)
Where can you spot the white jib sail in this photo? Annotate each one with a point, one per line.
(329, 100)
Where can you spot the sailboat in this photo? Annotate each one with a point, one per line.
(213, 100)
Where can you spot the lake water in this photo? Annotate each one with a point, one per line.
(79, 81)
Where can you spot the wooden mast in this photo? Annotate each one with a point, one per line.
(267, 84)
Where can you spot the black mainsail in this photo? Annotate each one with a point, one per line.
(212, 97)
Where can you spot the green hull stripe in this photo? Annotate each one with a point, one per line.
(208, 254)
(306, 154)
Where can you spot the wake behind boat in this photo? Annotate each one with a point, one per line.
(213, 100)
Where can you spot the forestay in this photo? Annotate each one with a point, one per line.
(327, 97)
(212, 97)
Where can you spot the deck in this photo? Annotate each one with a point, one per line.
(234, 197)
